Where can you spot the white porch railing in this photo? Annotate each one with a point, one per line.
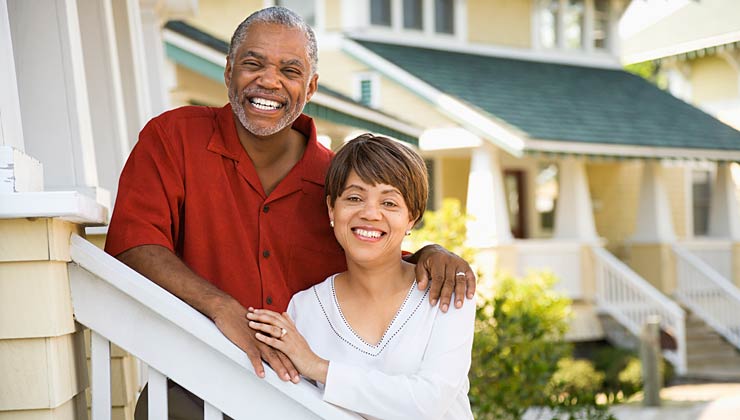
(631, 300)
(717, 253)
(708, 294)
(177, 342)
(562, 258)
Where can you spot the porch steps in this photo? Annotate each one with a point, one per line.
(709, 356)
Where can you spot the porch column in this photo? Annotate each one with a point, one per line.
(574, 218)
(488, 226)
(650, 246)
(107, 110)
(151, 25)
(53, 92)
(132, 59)
(724, 215)
(11, 126)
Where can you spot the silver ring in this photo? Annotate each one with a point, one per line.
(460, 273)
(283, 331)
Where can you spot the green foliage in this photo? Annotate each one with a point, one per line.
(518, 342)
(574, 390)
(446, 227)
(650, 71)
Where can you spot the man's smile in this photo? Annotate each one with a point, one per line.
(265, 104)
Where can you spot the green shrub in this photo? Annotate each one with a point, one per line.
(518, 342)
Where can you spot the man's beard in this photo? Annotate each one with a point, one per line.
(289, 115)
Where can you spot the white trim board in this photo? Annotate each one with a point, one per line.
(72, 206)
(596, 59)
(498, 133)
(632, 151)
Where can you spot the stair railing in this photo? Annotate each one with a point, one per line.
(176, 342)
(631, 300)
(708, 294)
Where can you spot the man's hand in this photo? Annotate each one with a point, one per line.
(232, 321)
(164, 268)
(447, 273)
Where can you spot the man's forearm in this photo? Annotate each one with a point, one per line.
(164, 268)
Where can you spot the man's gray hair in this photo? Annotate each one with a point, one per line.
(279, 16)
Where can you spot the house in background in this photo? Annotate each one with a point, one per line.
(520, 107)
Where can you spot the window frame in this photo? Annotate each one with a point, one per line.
(428, 18)
(587, 27)
(374, 79)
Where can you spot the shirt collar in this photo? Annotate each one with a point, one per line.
(225, 141)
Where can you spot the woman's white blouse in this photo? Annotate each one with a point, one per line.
(418, 370)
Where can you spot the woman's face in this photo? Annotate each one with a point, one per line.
(370, 221)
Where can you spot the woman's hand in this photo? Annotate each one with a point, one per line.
(279, 332)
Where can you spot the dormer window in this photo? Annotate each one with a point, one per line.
(428, 16)
(573, 24)
(366, 89)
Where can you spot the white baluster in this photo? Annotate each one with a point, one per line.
(157, 395)
(100, 361)
(211, 413)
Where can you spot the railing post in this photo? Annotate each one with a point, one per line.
(100, 360)
(211, 413)
(157, 395)
(650, 358)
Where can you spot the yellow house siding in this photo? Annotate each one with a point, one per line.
(221, 17)
(500, 22)
(454, 173)
(34, 300)
(41, 372)
(713, 79)
(73, 409)
(192, 86)
(615, 189)
(37, 239)
(333, 16)
(337, 70)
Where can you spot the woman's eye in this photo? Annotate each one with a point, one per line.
(353, 198)
(389, 204)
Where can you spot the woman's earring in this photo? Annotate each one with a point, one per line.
(331, 223)
(408, 233)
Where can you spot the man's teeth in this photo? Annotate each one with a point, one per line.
(265, 104)
(368, 233)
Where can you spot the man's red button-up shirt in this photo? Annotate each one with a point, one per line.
(190, 186)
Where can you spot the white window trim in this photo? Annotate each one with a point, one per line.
(374, 78)
(587, 30)
(428, 20)
(319, 9)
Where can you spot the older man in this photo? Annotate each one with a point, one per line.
(225, 207)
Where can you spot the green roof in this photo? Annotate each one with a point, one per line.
(565, 102)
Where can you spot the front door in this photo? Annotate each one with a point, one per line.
(515, 201)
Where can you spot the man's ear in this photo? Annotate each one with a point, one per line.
(227, 72)
(312, 86)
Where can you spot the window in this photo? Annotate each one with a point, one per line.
(380, 12)
(444, 16)
(701, 188)
(306, 9)
(412, 14)
(430, 16)
(546, 195)
(601, 23)
(573, 24)
(367, 89)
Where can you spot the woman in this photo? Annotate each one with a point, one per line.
(366, 335)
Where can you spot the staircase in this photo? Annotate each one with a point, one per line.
(709, 355)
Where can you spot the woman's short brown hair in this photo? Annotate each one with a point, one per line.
(380, 160)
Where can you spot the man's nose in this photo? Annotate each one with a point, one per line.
(269, 78)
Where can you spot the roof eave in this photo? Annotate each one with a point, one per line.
(629, 151)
